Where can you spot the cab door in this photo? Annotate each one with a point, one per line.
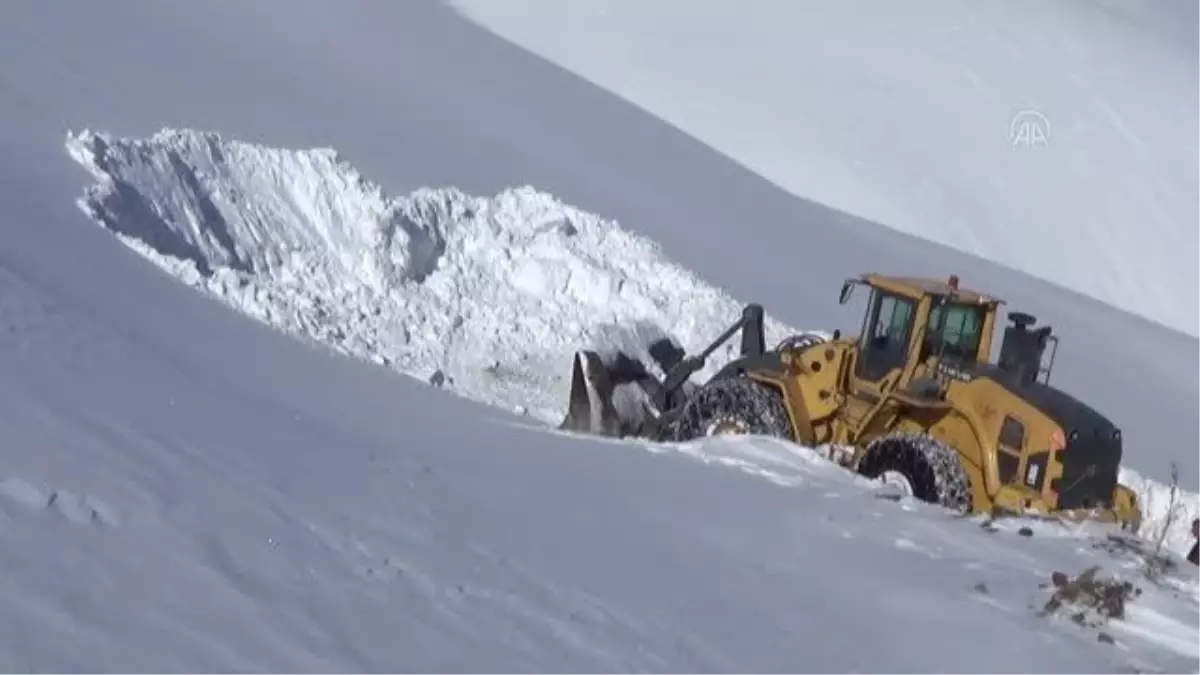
(883, 346)
(883, 351)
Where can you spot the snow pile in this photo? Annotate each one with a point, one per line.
(489, 297)
(1165, 517)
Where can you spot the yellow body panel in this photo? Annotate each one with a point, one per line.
(829, 404)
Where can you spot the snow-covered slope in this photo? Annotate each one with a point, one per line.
(1057, 138)
(452, 105)
(230, 500)
(184, 488)
(486, 297)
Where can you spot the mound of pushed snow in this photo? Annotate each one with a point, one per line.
(1166, 516)
(488, 296)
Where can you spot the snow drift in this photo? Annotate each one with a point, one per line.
(488, 297)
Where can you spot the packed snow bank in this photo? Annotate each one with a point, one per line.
(1166, 514)
(1056, 138)
(488, 297)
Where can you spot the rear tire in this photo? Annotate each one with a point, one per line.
(933, 470)
(736, 405)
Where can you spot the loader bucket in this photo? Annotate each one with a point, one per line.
(617, 397)
(590, 407)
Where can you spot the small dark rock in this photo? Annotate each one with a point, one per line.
(1058, 579)
(981, 587)
(438, 378)
(1025, 532)
(1105, 638)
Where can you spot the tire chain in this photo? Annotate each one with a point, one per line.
(908, 452)
(739, 398)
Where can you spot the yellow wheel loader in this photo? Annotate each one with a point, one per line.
(913, 400)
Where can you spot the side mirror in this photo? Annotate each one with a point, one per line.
(847, 290)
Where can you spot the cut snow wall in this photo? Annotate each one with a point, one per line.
(490, 296)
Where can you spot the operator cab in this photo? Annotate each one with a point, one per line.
(921, 318)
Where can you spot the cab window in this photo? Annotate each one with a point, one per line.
(885, 339)
(955, 328)
(892, 318)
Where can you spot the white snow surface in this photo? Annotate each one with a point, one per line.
(188, 489)
(489, 296)
(495, 293)
(1057, 138)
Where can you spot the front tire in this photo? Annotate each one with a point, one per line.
(933, 471)
(736, 405)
